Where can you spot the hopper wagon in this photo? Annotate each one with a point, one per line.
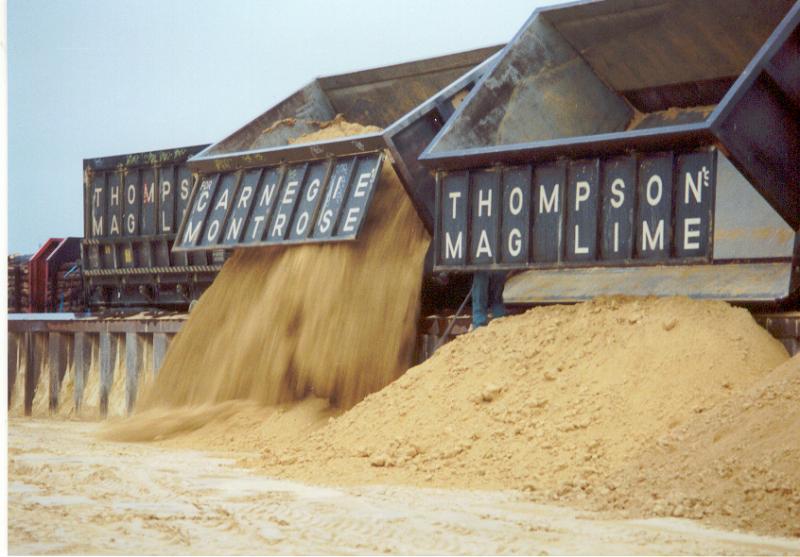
(410, 103)
(133, 205)
(641, 147)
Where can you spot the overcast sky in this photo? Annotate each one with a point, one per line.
(92, 78)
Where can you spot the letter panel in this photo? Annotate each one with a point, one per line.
(515, 234)
(335, 194)
(288, 195)
(453, 211)
(654, 220)
(166, 200)
(149, 202)
(583, 204)
(243, 205)
(131, 203)
(548, 212)
(201, 205)
(484, 216)
(694, 204)
(114, 195)
(619, 202)
(310, 196)
(183, 193)
(264, 204)
(98, 220)
(223, 201)
(362, 186)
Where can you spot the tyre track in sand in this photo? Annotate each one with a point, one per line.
(69, 493)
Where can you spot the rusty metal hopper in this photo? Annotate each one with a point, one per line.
(646, 92)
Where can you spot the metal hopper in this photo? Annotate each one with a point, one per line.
(409, 101)
(132, 205)
(631, 146)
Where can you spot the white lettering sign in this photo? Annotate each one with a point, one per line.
(649, 239)
(548, 205)
(361, 185)
(352, 218)
(582, 193)
(691, 233)
(453, 250)
(483, 245)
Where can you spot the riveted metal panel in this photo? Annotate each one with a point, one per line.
(149, 202)
(286, 202)
(548, 212)
(485, 196)
(310, 197)
(131, 203)
(185, 185)
(364, 182)
(243, 205)
(654, 221)
(618, 202)
(515, 236)
(201, 204)
(265, 203)
(694, 204)
(335, 194)
(222, 202)
(98, 219)
(453, 213)
(114, 195)
(166, 199)
(583, 201)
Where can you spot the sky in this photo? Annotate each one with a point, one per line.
(92, 78)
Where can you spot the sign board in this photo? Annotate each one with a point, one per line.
(633, 209)
(138, 202)
(316, 201)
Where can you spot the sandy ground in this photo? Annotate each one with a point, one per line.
(69, 493)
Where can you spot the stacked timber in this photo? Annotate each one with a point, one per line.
(19, 295)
